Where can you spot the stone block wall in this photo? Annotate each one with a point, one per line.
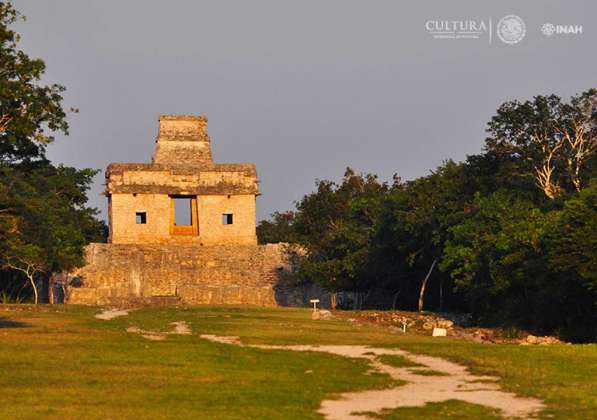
(157, 207)
(213, 231)
(124, 229)
(220, 274)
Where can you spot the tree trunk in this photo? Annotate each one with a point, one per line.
(51, 284)
(333, 300)
(576, 179)
(65, 291)
(395, 299)
(422, 293)
(364, 297)
(34, 286)
(441, 294)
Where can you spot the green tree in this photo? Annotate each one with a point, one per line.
(552, 141)
(29, 111)
(494, 254)
(413, 227)
(573, 238)
(509, 252)
(499, 259)
(48, 223)
(333, 228)
(44, 221)
(278, 229)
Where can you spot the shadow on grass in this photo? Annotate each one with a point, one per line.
(9, 323)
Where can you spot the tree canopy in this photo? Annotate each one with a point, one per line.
(44, 220)
(512, 229)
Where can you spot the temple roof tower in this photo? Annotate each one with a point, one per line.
(221, 196)
(182, 141)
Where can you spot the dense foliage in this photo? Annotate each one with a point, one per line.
(509, 235)
(44, 221)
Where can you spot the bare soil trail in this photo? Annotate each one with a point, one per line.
(452, 382)
(108, 314)
(178, 327)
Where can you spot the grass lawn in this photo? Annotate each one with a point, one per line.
(61, 362)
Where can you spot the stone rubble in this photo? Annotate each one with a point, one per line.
(546, 340)
(456, 325)
(322, 314)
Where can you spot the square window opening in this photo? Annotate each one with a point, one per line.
(227, 219)
(141, 218)
(183, 211)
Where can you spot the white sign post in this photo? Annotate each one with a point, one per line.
(314, 302)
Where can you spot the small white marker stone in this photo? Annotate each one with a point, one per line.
(439, 332)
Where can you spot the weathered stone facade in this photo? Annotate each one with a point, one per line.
(213, 258)
(234, 274)
(182, 167)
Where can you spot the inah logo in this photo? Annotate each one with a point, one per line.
(511, 29)
(548, 29)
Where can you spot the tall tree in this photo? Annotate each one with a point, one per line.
(413, 227)
(573, 238)
(30, 112)
(502, 260)
(44, 221)
(580, 133)
(49, 223)
(334, 226)
(550, 140)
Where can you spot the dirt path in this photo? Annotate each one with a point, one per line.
(108, 314)
(179, 328)
(455, 382)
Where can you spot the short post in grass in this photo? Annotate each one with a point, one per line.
(404, 324)
(315, 314)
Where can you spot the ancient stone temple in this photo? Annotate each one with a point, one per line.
(182, 196)
(182, 228)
